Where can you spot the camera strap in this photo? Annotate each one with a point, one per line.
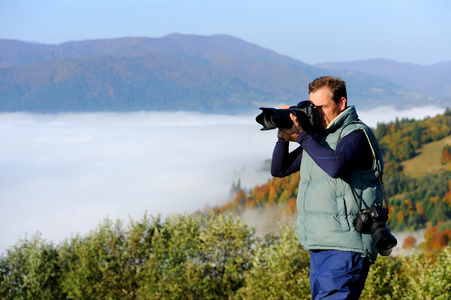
(353, 193)
(377, 162)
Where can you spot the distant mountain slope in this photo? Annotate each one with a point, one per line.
(220, 74)
(433, 80)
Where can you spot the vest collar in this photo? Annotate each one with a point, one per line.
(345, 117)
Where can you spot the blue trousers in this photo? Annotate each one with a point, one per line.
(337, 274)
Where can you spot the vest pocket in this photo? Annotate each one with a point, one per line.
(343, 214)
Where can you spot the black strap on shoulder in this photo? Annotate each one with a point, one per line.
(378, 165)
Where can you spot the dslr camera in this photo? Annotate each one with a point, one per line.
(373, 220)
(305, 111)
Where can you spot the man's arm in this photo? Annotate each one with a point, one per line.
(285, 163)
(352, 151)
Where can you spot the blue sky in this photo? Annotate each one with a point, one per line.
(417, 32)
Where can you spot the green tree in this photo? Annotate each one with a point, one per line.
(381, 130)
(31, 270)
(409, 151)
(198, 258)
(280, 269)
(416, 133)
(107, 262)
(397, 125)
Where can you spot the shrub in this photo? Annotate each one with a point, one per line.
(31, 270)
(280, 268)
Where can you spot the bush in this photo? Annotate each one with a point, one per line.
(31, 270)
(280, 268)
(106, 263)
(198, 258)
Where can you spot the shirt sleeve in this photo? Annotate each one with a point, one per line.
(283, 162)
(353, 150)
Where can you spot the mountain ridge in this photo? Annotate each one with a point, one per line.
(218, 73)
(425, 79)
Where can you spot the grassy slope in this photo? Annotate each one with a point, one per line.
(428, 160)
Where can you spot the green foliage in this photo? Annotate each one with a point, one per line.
(400, 140)
(106, 262)
(183, 257)
(196, 257)
(416, 201)
(280, 269)
(446, 225)
(383, 281)
(31, 270)
(425, 279)
(410, 277)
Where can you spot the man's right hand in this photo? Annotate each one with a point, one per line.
(292, 133)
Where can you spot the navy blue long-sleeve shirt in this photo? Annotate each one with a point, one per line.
(352, 151)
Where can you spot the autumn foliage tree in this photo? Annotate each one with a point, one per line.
(409, 242)
(437, 237)
(446, 154)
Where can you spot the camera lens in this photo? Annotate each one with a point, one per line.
(305, 111)
(272, 118)
(383, 239)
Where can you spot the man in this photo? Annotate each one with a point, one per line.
(340, 167)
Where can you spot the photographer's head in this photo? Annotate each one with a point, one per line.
(329, 96)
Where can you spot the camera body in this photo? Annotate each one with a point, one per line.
(305, 111)
(373, 220)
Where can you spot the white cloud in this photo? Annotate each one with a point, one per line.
(387, 114)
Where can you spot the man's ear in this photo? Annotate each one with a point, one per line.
(343, 103)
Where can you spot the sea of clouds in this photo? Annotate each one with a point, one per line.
(63, 174)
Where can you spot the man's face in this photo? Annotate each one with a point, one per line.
(327, 108)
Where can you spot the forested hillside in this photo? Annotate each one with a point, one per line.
(415, 202)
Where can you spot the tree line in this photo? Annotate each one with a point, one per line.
(401, 140)
(196, 256)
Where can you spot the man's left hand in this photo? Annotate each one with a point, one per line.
(292, 133)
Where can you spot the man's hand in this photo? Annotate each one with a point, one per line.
(292, 133)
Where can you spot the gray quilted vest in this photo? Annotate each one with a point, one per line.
(327, 206)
